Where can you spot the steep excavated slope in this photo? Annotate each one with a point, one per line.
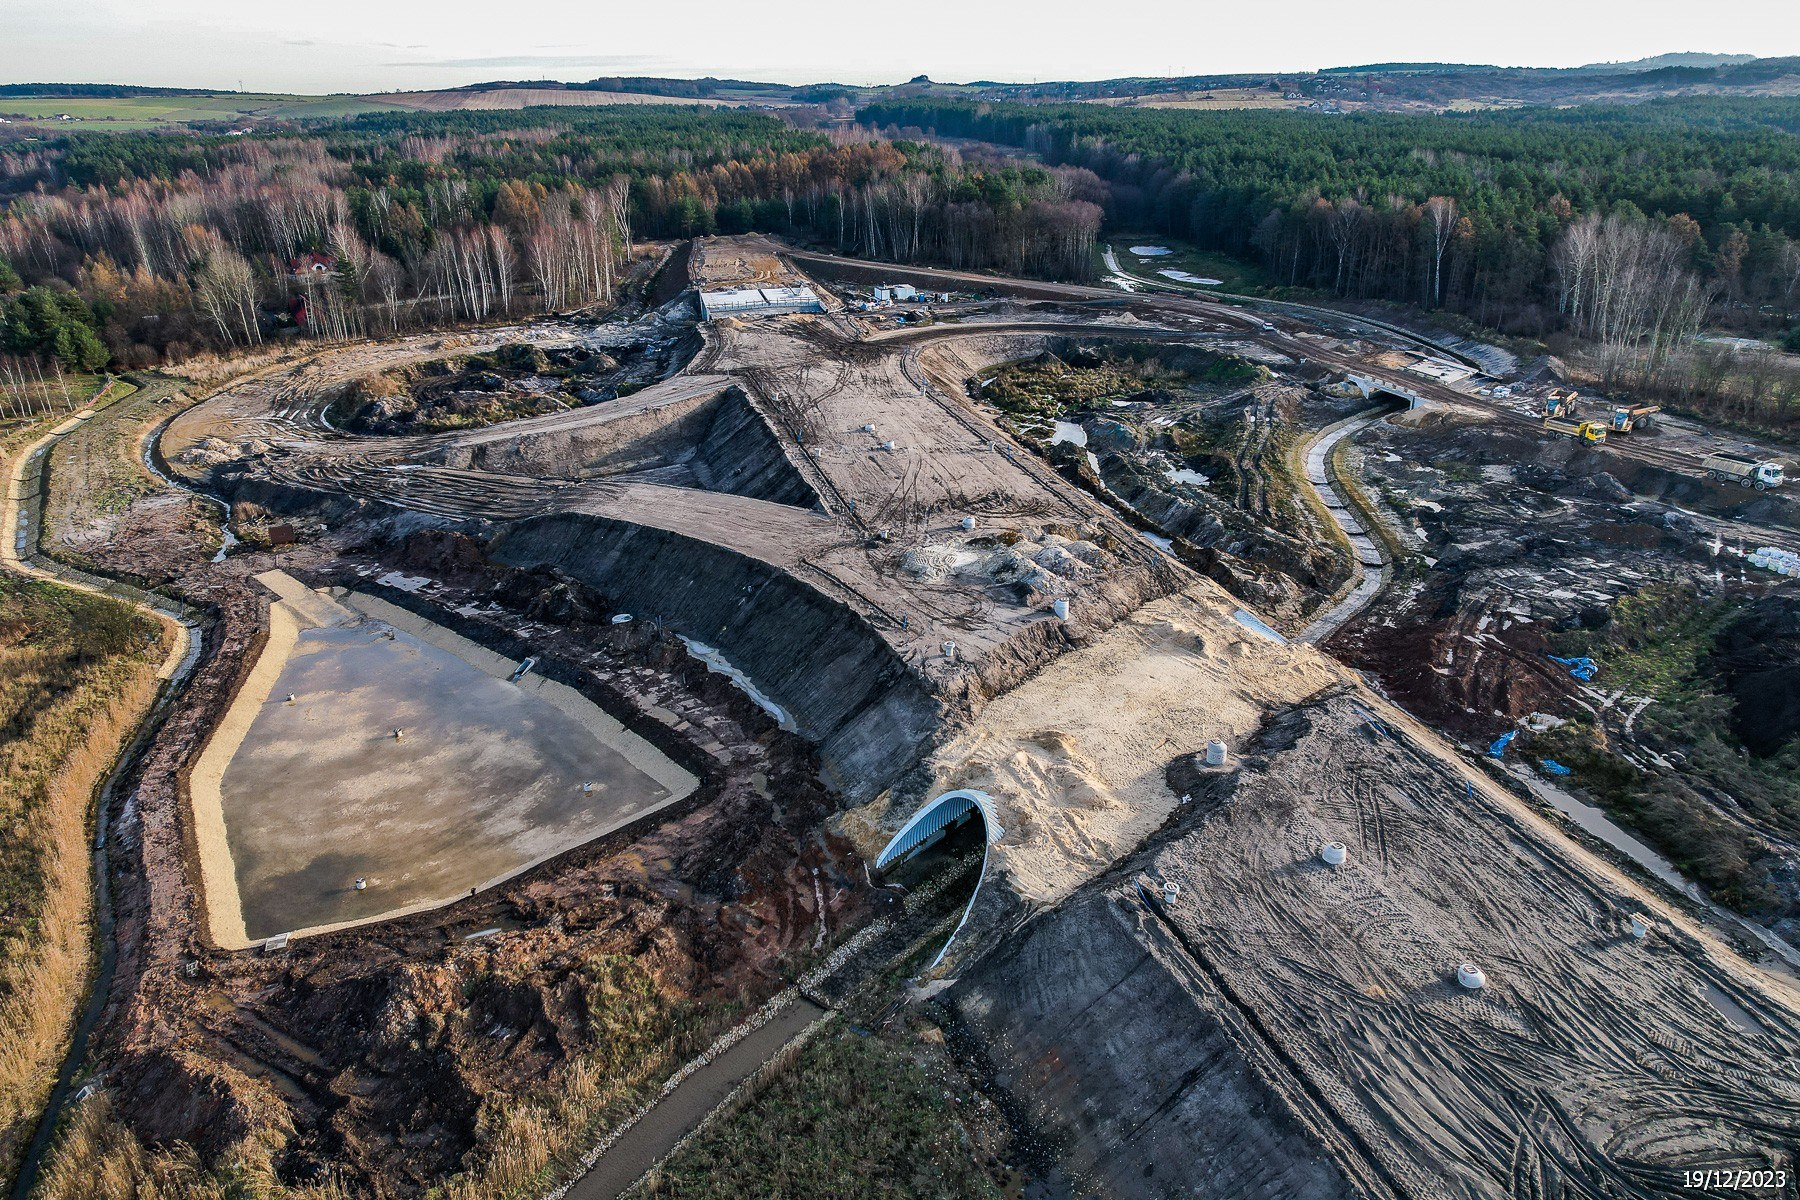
(841, 682)
(738, 454)
(717, 441)
(1134, 1069)
(1593, 1063)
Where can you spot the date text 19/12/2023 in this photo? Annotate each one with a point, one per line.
(1734, 1179)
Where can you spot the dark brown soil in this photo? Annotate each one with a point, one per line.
(375, 1052)
(1758, 657)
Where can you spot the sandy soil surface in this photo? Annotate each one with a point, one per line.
(1215, 1043)
(1525, 547)
(1083, 729)
(1599, 1055)
(1074, 757)
(947, 462)
(740, 262)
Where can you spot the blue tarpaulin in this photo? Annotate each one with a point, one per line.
(1552, 767)
(1583, 668)
(1501, 743)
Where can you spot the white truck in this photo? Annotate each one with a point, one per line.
(1746, 470)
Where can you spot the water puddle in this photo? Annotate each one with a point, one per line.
(1187, 277)
(1595, 821)
(375, 763)
(227, 539)
(1730, 1009)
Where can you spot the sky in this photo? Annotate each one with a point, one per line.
(315, 46)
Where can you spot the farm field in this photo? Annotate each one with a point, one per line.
(1210, 100)
(154, 112)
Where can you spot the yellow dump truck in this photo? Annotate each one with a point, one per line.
(1627, 417)
(1562, 403)
(1592, 432)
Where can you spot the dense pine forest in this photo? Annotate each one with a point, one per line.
(1617, 232)
(1463, 212)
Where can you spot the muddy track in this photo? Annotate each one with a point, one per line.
(1364, 964)
(1660, 1054)
(1253, 483)
(1165, 296)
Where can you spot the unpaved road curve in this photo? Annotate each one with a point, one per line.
(1307, 311)
(20, 516)
(1372, 570)
(1170, 296)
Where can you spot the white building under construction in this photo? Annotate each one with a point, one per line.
(756, 302)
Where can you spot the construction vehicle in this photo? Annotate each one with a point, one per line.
(1627, 417)
(1745, 469)
(1591, 432)
(1563, 403)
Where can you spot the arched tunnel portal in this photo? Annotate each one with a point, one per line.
(927, 826)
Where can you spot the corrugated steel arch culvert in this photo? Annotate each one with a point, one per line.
(929, 824)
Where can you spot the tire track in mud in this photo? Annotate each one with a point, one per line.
(1593, 1064)
(1313, 1103)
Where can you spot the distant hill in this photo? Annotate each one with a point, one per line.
(1686, 59)
(1405, 68)
(1395, 86)
(98, 91)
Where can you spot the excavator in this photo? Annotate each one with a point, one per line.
(1563, 405)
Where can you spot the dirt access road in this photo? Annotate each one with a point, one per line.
(23, 505)
(887, 453)
(1213, 1038)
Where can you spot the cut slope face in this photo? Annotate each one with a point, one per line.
(701, 434)
(1109, 1047)
(821, 661)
